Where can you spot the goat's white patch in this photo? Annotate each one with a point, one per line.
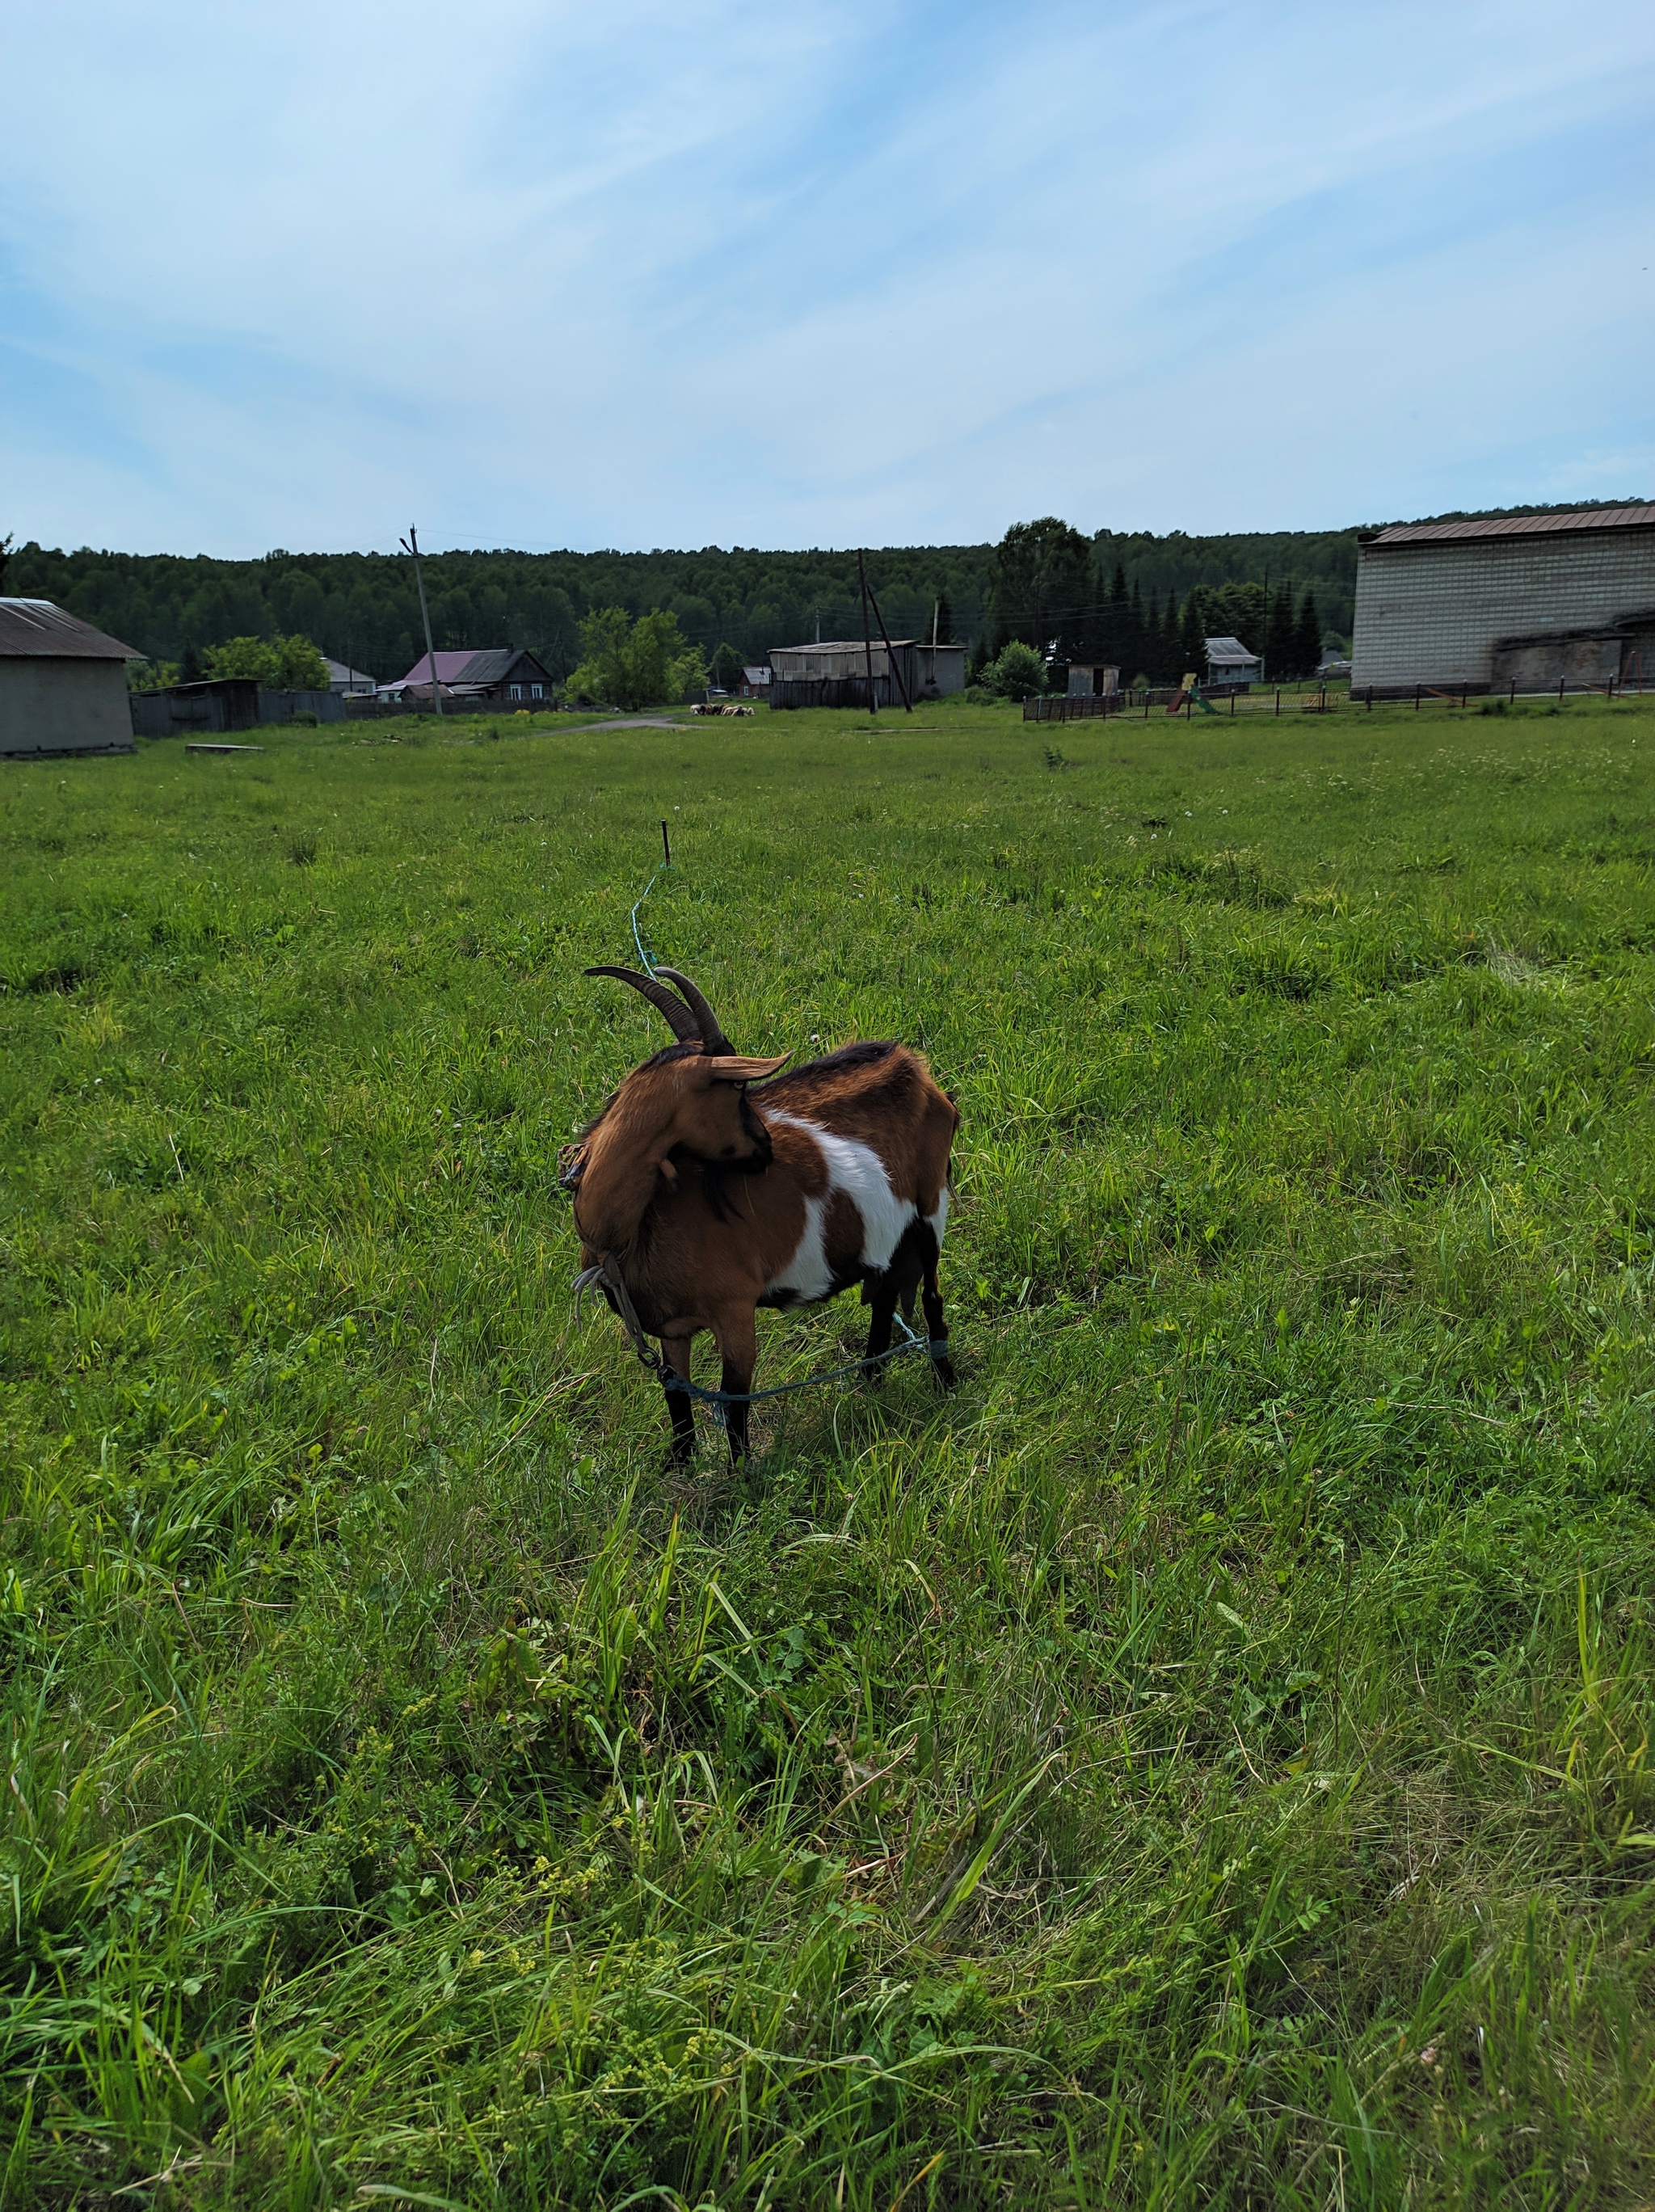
(807, 1274)
(858, 1171)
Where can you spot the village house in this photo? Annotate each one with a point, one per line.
(1229, 663)
(503, 675)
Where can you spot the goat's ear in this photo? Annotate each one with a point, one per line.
(736, 1067)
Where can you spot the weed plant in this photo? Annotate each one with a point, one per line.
(1203, 1761)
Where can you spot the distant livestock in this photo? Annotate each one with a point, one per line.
(730, 707)
(699, 1197)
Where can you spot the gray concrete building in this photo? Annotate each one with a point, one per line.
(1531, 599)
(63, 684)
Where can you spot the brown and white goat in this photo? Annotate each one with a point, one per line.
(713, 1197)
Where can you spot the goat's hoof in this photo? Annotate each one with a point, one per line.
(946, 1377)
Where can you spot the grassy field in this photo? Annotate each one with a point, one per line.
(1204, 1761)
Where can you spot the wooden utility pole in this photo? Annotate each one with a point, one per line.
(890, 655)
(867, 634)
(411, 544)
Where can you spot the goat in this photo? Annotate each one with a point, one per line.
(712, 1184)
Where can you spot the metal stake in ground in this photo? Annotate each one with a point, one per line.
(411, 545)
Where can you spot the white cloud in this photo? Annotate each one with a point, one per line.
(821, 274)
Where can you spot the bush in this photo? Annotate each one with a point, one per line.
(1019, 673)
(634, 664)
(289, 663)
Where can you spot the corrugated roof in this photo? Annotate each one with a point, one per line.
(1515, 525)
(38, 629)
(1228, 649)
(756, 674)
(855, 645)
(465, 666)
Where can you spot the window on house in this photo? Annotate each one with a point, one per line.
(514, 691)
(537, 691)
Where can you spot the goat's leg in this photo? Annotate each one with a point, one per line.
(738, 1347)
(937, 1329)
(681, 1406)
(883, 1302)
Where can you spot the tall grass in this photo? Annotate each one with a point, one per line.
(1203, 1761)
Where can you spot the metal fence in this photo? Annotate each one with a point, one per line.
(1232, 702)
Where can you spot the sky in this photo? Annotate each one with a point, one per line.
(815, 273)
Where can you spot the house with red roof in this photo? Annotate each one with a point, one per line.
(498, 675)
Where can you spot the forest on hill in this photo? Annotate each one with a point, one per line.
(363, 607)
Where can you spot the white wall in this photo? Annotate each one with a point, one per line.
(1430, 613)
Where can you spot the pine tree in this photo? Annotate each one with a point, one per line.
(1280, 656)
(1135, 646)
(945, 620)
(1172, 649)
(1192, 636)
(1308, 635)
(1114, 619)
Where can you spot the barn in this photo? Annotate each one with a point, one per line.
(1534, 601)
(833, 673)
(63, 684)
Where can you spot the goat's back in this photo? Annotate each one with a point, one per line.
(883, 1096)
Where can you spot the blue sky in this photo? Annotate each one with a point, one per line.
(721, 273)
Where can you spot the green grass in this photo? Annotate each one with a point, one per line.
(1203, 1762)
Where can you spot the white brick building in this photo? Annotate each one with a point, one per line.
(1534, 599)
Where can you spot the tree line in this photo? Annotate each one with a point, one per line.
(1052, 592)
(733, 604)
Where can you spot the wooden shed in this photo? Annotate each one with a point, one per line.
(834, 672)
(63, 684)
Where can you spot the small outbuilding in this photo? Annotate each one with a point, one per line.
(755, 684)
(1093, 679)
(348, 682)
(63, 684)
(219, 706)
(1229, 663)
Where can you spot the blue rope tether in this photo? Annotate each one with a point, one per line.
(646, 958)
(606, 1275)
(936, 1346)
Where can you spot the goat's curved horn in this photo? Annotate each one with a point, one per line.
(712, 1035)
(679, 1018)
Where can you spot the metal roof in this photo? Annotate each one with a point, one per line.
(1512, 526)
(40, 631)
(857, 644)
(1228, 649)
(756, 674)
(466, 665)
